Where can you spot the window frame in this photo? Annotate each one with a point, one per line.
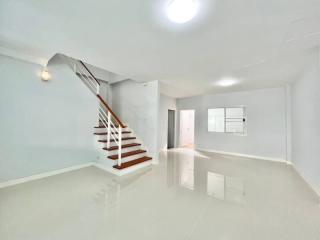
(244, 133)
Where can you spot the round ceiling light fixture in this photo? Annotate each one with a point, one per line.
(181, 11)
(227, 82)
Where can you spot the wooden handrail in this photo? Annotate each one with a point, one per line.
(86, 76)
(82, 63)
(110, 110)
(101, 99)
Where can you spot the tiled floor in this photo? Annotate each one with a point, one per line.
(189, 195)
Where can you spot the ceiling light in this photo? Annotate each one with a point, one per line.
(45, 75)
(181, 11)
(227, 82)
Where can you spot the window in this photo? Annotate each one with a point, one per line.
(216, 119)
(226, 120)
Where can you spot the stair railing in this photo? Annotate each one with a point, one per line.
(107, 117)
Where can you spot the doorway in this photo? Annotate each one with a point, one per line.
(171, 128)
(187, 128)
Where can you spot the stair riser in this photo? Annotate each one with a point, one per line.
(124, 150)
(99, 130)
(123, 142)
(103, 137)
(130, 158)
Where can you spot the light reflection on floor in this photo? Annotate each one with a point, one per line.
(225, 188)
(219, 186)
(189, 195)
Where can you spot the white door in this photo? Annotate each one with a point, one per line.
(187, 128)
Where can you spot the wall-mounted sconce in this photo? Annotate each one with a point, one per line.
(45, 75)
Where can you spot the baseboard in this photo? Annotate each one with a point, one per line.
(245, 155)
(42, 175)
(123, 171)
(312, 185)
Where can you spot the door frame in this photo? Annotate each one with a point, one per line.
(173, 130)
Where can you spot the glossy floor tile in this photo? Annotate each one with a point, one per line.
(189, 195)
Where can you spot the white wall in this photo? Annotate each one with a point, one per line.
(306, 122)
(44, 125)
(105, 75)
(166, 103)
(137, 105)
(106, 92)
(266, 122)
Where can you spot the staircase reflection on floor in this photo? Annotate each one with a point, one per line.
(189, 195)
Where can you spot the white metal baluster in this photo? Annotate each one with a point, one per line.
(98, 89)
(119, 142)
(105, 118)
(109, 129)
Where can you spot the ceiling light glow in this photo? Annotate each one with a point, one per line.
(181, 11)
(227, 82)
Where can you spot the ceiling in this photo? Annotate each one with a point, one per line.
(261, 43)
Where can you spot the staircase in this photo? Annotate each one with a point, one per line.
(116, 139)
(131, 152)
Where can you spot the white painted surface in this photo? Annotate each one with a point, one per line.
(45, 126)
(306, 118)
(105, 92)
(124, 171)
(105, 75)
(42, 175)
(138, 106)
(99, 73)
(260, 42)
(312, 184)
(244, 155)
(23, 55)
(289, 123)
(101, 166)
(266, 122)
(166, 103)
(186, 127)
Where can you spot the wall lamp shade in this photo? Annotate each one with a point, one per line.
(181, 11)
(45, 75)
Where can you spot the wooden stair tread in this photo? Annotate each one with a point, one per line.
(105, 133)
(123, 146)
(127, 154)
(112, 140)
(132, 163)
